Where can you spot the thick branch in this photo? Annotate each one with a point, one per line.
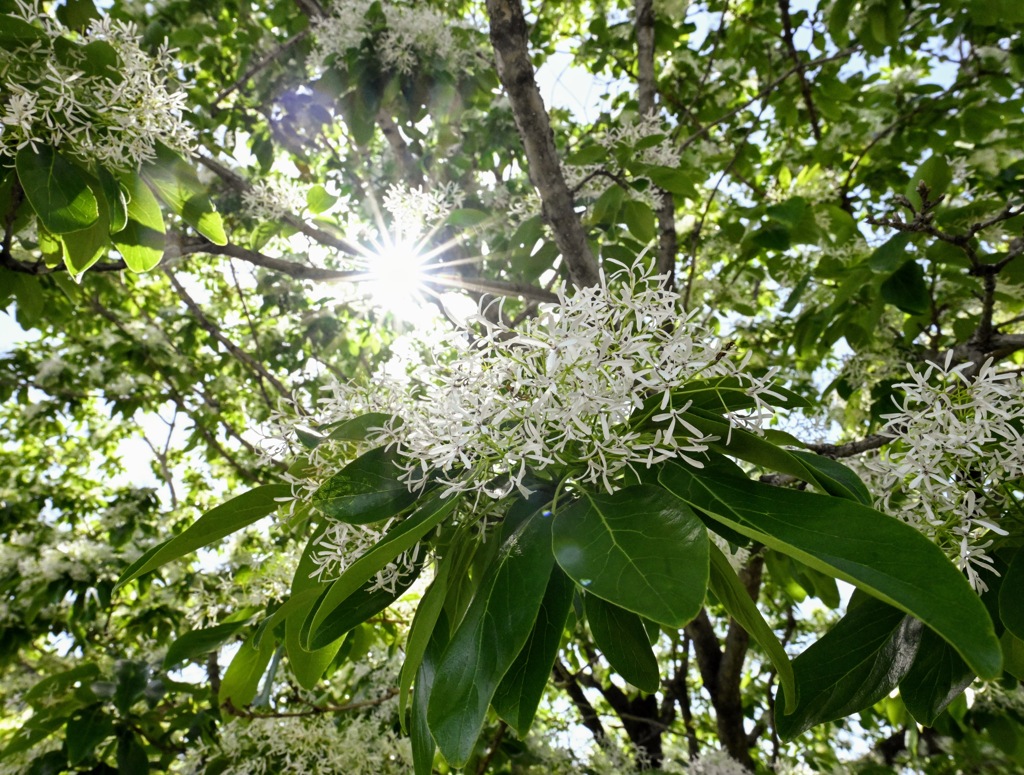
(668, 240)
(510, 39)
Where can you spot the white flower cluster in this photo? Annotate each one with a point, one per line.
(415, 210)
(629, 134)
(66, 99)
(558, 397)
(356, 745)
(956, 459)
(272, 199)
(413, 33)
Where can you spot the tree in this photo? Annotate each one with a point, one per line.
(753, 330)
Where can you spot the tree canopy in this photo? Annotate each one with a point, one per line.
(519, 387)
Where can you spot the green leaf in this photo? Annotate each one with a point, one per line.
(856, 664)
(495, 629)
(318, 200)
(16, 32)
(937, 677)
(890, 254)
(907, 290)
(85, 247)
(620, 635)
(242, 678)
(736, 600)
(113, 195)
(428, 612)
(871, 550)
(758, 450)
(176, 183)
(56, 189)
(131, 756)
(363, 604)
(1011, 595)
(366, 490)
(832, 470)
(141, 241)
(405, 535)
(86, 729)
(358, 428)
(935, 173)
(639, 218)
(198, 643)
(423, 745)
(638, 548)
(241, 511)
(60, 682)
(520, 691)
(307, 665)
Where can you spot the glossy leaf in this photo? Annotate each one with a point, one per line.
(495, 629)
(366, 490)
(86, 729)
(399, 539)
(1011, 596)
(199, 643)
(242, 678)
(620, 636)
(308, 665)
(141, 241)
(871, 550)
(638, 548)
(175, 181)
(428, 612)
(241, 511)
(520, 691)
(85, 247)
(937, 677)
(855, 664)
(56, 189)
(423, 745)
(736, 600)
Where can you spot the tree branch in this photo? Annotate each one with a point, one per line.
(668, 239)
(207, 325)
(510, 40)
(805, 87)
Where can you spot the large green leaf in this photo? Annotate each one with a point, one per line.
(937, 677)
(242, 678)
(856, 663)
(620, 635)
(399, 539)
(176, 183)
(141, 241)
(907, 290)
(875, 552)
(199, 643)
(423, 745)
(86, 729)
(638, 548)
(758, 450)
(85, 247)
(493, 632)
(428, 612)
(366, 490)
(214, 525)
(363, 604)
(1011, 596)
(736, 600)
(520, 691)
(56, 189)
(308, 665)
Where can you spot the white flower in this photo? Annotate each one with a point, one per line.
(272, 199)
(956, 457)
(116, 121)
(415, 210)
